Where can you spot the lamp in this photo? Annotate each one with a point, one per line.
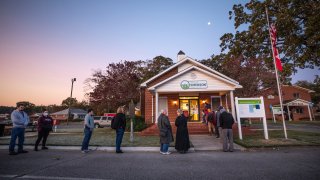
(175, 103)
(203, 101)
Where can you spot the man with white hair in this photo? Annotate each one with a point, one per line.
(165, 132)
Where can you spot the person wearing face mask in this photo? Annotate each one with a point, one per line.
(20, 121)
(45, 123)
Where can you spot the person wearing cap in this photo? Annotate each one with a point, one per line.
(20, 120)
(45, 123)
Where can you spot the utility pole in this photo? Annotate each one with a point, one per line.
(72, 81)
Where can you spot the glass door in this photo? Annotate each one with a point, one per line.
(194, 110)
(190, 108)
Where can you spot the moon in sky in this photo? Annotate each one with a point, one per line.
(209, 23)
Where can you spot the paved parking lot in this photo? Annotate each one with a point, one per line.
(293, 163)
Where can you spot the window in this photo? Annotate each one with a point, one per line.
(270, 97)
(299, 110)
(296, 95)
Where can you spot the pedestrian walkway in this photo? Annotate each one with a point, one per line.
(209, 143)
(199, 142)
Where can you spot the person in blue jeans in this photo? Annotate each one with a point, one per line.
(166, 136)
(120, 121)
(20, 121)
(88, 129)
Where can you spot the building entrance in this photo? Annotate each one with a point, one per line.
(190, 108)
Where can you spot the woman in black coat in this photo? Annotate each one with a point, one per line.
(182, 136)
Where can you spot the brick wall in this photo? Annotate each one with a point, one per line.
(148, 106)
(287, 92)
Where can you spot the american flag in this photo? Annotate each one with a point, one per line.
(273, 33)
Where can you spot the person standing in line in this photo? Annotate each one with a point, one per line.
(226, 122)
(218, 127)
(211, 118)
(120, 123)
(165, 130)
(45, 123)
(88, 129)
(182, 136)
(20, 121)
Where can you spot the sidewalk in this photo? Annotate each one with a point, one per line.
(200, 143)
(210, 143)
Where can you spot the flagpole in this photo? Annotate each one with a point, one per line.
(277, 77)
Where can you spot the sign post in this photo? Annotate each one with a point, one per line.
(131, 113)
(251, 108)
(275, 110)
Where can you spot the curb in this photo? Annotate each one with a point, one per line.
(100, 148)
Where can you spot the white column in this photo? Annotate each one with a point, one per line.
(227, 102)
(232, 105)
(309, 113)
(157, 106)
(238, 120)
(289, 113)
(152, 111)
(265, 128)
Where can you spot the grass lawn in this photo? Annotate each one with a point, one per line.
(100, 137)
(276, 139)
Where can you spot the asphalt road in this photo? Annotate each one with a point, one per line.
(293, 163)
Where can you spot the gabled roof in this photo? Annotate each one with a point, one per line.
(184, 60)
(309, 90)
(295, 86)
(199, 69)
(72, 111)
(289, 102)
(181, 53)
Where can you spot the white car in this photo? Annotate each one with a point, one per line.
(102, 121)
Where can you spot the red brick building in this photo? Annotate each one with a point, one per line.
(187, 85)
(296, 102)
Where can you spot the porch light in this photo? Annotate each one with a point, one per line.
(174, 102)
(203, 101)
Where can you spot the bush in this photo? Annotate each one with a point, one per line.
(138, 124)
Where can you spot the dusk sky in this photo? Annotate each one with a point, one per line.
(43, 44)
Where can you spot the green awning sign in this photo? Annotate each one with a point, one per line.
(249, 101)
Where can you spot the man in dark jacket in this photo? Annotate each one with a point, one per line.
(226, 122)
(165, 130)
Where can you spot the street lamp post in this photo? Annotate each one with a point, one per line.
(72, 81)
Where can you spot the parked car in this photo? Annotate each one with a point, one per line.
(102, 121)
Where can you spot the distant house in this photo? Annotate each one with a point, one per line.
(297, 103)
(74, 113)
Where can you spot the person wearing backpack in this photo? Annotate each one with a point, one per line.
(211, 121)
(119, 124)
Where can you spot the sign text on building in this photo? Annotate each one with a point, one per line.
(201, 84)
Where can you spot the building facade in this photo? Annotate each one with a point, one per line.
(188, 85)
(296, 102)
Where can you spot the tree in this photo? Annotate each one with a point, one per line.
(115, 86)
(298, 33)
(69, 102)
(155, 66)
(315, 86)
(254, 72)
(28, 106)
